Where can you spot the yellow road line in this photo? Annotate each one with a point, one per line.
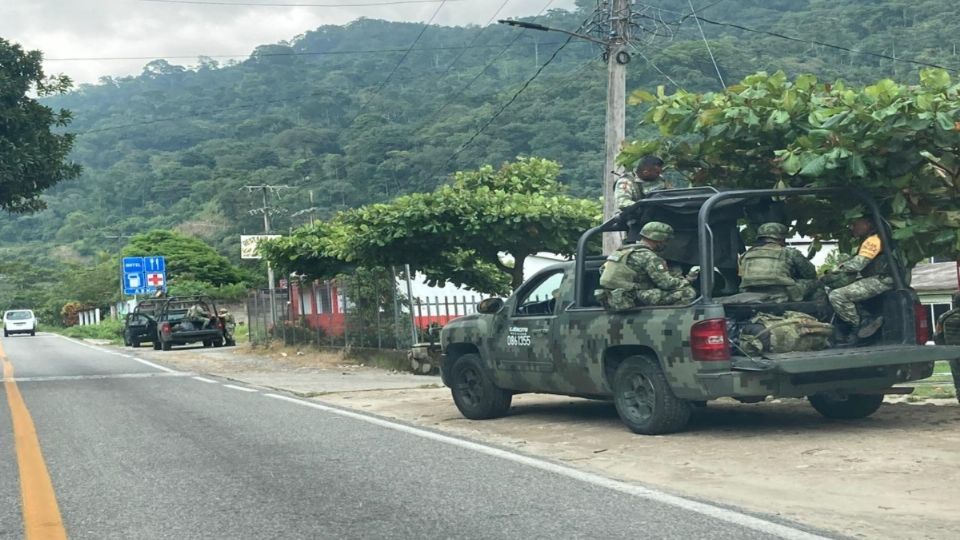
(41, 514)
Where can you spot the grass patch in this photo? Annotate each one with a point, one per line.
(107, 329)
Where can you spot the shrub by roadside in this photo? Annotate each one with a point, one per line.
(107, 329)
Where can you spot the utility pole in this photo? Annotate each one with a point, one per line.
(613, 21)
(617, 58)
(271, 283)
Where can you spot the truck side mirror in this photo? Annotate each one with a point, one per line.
(490, 306)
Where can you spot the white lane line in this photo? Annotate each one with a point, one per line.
(96, 377)
(141, 360)
(242, 389)
(201, 379)
(716, 512)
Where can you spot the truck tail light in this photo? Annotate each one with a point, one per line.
(709, 341)
(165, 328)
(921, 322)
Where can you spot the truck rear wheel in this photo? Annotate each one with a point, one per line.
(165, 345)
(846, 407)
(644, 399)
(477, 397)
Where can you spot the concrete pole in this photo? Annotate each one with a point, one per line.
(413, 317)
(270, 279)
(616, 114)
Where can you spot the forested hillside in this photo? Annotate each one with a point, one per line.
(335, 115)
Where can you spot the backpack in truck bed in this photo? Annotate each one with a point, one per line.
(791, 332)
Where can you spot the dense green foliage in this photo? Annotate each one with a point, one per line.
(32, 157)
(900, 143)
(458, 232)
(173, 147)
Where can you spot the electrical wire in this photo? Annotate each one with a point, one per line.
(263, 55)
(503, 107)
(707, 43)
(266, 4)
(479, 74)
(820, 43)
(384, 83)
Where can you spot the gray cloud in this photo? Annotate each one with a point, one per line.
(65, 29)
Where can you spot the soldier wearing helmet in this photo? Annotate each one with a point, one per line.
(780, 272)
(635, 275)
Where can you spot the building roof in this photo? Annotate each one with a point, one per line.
(941, 276)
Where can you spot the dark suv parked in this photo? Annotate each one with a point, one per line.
(189, 319)
(141, 325)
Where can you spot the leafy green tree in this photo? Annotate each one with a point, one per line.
(188, 259)
(32, 157)
(900, 143)
(476, 232)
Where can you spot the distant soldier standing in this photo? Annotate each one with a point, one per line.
(782, 272)
(645, 180)
(635, 275)
(876, 278)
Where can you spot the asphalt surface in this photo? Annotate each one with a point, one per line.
(136, 451)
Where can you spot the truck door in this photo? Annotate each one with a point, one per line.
(526, 341)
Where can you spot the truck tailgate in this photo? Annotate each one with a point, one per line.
(835, 359)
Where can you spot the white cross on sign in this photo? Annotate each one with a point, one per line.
(155, 280)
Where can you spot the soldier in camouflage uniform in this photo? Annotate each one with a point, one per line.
(635, 275)
(781, 272)
(645, 179)
(948, 333)
(875, 278)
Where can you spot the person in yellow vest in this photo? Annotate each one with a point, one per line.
(872, 276)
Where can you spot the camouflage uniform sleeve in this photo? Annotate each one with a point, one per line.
(625, 192)
(801, 267)
(656, 269)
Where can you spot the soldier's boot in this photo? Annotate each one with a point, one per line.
(869, 326)
(844, 336)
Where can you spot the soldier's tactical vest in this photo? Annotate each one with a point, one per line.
(765, 266)
(616, 273)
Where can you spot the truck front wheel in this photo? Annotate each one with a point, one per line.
(644, 399)
(474, 392)
(846, 407)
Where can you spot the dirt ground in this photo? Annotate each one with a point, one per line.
(895, 474)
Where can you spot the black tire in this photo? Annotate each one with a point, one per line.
(218, 342)
(473, 391)
(135, 344)
(848, 407)
(644, 399)
(207, 343)
(156, 345)
(33, 332)
(126, 340)
(6, 334)
(164, 345)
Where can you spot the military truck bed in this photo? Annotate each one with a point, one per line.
(837, 359)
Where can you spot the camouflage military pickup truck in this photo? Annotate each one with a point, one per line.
(657, 363)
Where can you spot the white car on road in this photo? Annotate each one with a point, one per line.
(19, 321)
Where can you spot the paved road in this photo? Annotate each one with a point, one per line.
(134, 450)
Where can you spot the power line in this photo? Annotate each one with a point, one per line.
(707, 43)
(505, 105)
(261, 55)
(479, 74)
(267, 4)
(406, 53)
(817, 42)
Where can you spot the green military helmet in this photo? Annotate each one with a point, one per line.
(657, 231)
(774, 230)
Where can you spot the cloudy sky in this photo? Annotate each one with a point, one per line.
(87, 39)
